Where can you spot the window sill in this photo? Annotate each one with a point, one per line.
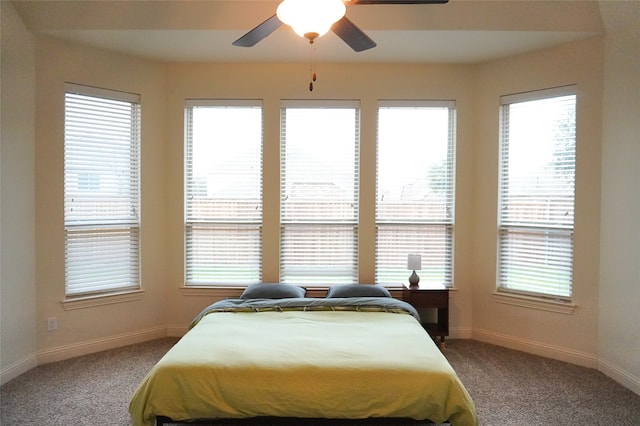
(559, 307)
(102, 299)
(236, 291)
(212, 291)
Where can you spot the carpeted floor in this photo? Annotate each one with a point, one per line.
(514, 388)
(90, 390)
(508, 387)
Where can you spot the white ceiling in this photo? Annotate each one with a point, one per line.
(462, 31)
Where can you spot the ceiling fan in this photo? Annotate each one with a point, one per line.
(336, 21)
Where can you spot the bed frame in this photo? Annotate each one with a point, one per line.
(293, 421)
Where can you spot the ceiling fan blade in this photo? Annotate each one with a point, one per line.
(259, 32)
(397, 1)
(352, 35)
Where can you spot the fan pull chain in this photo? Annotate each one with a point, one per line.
(312, 66)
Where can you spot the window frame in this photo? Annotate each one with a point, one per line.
(554, 238)
(416, 238)
(109, 230)
(336, 273)
(232, 230)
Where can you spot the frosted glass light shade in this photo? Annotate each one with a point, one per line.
(311, 16)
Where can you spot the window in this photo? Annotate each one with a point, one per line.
(319, 192)
(101, 190)
(415, 190)
(537, 181)
(223, 193)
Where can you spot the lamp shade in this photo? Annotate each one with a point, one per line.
(414, 262)
(311, 16)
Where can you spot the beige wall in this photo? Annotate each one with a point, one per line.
(367, 83)
(476, 91)
(94, 328)
(162, 183)
(17, 265)
(566, 336)
(162, 176)
(619, 338)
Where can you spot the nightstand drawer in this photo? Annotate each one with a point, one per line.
(430, 299)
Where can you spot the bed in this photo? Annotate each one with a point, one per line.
(346, 356)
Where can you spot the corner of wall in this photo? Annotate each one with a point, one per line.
(17, 242)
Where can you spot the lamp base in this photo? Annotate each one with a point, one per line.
(414, 279)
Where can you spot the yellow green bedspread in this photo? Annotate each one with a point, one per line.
(303, 363)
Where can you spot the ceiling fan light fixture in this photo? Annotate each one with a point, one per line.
(313, 17)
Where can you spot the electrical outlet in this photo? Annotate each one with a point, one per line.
(52, 324)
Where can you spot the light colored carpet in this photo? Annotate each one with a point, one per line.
(90, 390)
(515, 388)
(508, 387)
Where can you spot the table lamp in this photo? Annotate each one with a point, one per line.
(414, 263)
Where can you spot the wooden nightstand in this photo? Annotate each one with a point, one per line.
(432, 296)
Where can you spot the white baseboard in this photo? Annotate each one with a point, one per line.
(19, 367)
(621, 376)
(96, 345)
(176, 330)
(625, 378)
(460, 333)
(537, 348)
(550, 351)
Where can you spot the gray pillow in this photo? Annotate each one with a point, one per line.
(272, 291)
(358, 290)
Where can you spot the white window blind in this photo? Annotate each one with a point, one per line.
(101, 190)
(537, 185)
(415, 190)
(319, 192)
(223, 192)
